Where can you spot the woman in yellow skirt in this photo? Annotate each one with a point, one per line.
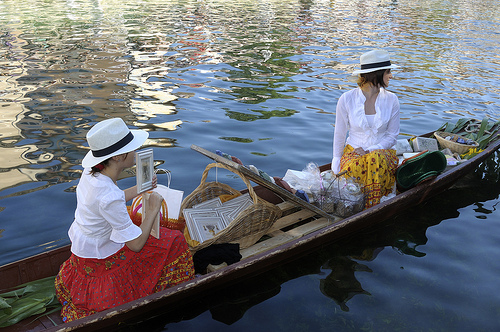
(368, 116)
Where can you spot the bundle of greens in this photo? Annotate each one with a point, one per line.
(33, 298)
(483, 132)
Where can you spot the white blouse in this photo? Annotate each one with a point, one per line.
(350, 118)
(102, 224)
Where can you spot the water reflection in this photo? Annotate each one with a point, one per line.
(153, 96)
(263, 115)
(85, 61)
(17, 153)
(82, 61)
(80, 77)
(407, 231)
(341, 284)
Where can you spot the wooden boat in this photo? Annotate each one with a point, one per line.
(302, 229)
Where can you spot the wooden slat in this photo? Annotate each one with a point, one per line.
(275, 233)
(286, 206)
(283, 237)
(291, 219)
(266, 245)
(309, 227)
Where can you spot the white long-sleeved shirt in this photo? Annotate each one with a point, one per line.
(102, 224)
(351, 118)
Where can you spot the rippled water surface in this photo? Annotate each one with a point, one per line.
(260, 80)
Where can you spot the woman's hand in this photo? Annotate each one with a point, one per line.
(360, 151)
(153, 204)
(151, 208)
(131, 192)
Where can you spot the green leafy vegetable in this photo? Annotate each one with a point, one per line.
(482, 132)
(32, 298)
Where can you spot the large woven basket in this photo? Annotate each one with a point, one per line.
(247, 228)
(452, 144)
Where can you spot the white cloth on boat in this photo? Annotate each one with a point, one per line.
(351, 119)
(102, 224)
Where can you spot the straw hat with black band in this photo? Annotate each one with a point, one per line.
(110, 138)
(373, 61)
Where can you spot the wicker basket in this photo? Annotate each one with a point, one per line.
(452, 144)
(247, 228)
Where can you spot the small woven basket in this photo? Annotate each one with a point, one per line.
(452, 144)
(250, 224)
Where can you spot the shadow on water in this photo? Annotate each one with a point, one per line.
(404, 233)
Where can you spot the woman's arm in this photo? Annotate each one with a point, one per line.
(152, 205)
(340, 133)
(130, 193)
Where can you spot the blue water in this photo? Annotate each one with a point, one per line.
(259, 80)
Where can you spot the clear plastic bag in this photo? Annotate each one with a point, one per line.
(313, 176)
(308, 180)
(340, 195)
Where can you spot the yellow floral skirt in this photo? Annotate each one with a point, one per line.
(375, 170)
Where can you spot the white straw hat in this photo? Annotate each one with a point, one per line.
(373, 61)
(110, 138)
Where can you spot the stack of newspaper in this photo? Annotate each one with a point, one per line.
(207, 219)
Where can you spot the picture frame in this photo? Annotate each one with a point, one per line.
(205, 220)
(144, 170)
(208, 227)
(191, 216)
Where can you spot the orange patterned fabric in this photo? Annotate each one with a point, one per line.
(85, 285)
(177, 224)
(375, 170)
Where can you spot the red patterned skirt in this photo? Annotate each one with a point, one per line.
(375, 170)
(86, 285)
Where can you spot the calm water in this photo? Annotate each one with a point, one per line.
(260, 80)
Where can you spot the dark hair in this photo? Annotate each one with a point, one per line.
(99, 167)
(375, 77)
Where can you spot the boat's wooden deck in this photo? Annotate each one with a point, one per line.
(295, 223)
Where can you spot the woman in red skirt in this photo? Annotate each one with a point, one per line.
(114, 261)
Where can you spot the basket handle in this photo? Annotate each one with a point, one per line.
(252, 193)
(415, 156)
(340, 174)
(164, 171)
